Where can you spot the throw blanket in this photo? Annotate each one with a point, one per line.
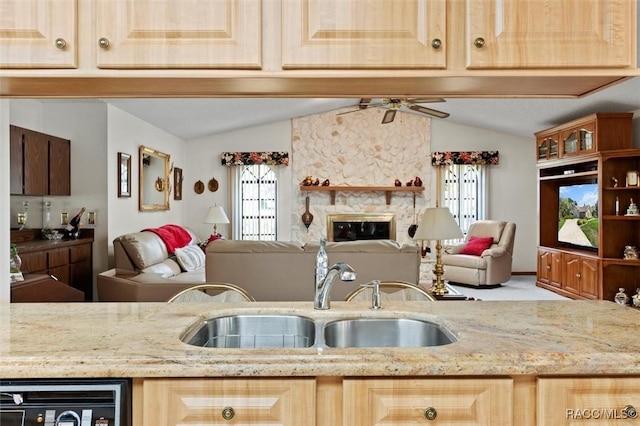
(174, 236)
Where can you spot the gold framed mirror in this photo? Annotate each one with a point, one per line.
(154, 182)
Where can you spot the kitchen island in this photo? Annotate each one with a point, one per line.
(527, 352)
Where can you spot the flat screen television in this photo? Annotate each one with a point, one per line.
(578, 215)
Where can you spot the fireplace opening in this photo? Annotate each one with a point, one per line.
(366, 226)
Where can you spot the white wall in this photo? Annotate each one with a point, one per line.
(203, 163)
(512, 184)
(126, 133)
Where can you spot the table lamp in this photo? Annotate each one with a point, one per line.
(216, 215)
(438, 224)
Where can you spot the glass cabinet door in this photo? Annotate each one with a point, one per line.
(552, 142)
(570, 143)
(587, 138)
(543, 149)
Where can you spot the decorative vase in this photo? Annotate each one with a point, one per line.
(307, 217)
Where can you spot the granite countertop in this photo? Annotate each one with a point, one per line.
(494, 338)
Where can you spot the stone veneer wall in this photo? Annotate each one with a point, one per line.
(355, 149)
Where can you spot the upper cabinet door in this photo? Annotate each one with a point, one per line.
(550, 33)
(179, 34)
(364, 34)
(38, 34)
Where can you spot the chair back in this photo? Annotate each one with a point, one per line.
(503, 232)
(391, 290)
(212, 292)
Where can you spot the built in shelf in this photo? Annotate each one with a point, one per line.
(388, 190)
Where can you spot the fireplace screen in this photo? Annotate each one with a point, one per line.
(365, 226)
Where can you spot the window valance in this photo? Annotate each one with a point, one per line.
(252, 158)
(446, 158)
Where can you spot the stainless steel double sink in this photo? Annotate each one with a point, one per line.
(293, 331)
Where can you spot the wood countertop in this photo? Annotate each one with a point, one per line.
(143, 340)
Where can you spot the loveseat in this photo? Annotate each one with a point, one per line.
(145, 271)
(284, 271)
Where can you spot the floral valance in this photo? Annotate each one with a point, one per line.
(446, 158)
(252, 158)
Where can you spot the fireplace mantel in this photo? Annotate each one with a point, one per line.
(388, 190)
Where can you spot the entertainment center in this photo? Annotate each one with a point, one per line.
(585, 260)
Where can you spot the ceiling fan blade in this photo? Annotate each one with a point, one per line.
(428, 111)
(424, 100)
(364, 103)
(389, 115)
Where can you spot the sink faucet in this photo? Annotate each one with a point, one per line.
(346, 273)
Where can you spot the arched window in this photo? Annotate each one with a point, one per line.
(255, 203)
(463, 191)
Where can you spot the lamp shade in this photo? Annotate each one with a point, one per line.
(216, 215)
(437, 223)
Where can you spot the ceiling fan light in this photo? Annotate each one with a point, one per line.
(389, 115)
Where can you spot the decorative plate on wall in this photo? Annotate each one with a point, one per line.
(213, 185)
(199, 187)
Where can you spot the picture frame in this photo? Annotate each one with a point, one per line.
(632, 178)
(177, 183)
(124, 175)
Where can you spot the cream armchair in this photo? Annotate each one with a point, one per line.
(492, 266)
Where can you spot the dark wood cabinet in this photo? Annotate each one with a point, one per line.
(70, 261)
(586, 135)
(42, 288)
(40, 163)
(586, 157)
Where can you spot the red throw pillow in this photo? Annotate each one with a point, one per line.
(476, 245)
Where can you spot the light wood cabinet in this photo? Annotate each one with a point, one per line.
(403, 401)
(272, 401)
(549, 34)
(369, 34)
(178, 34)
(38, 34)
(587, 401)
(40, 163)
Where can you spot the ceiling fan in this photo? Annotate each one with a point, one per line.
(392, 105)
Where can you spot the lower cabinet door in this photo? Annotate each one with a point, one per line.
(588, 401)
(442, 402)
(271, 402)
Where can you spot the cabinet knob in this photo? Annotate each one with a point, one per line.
(430, 413)
(228, 413)
(103, 42)
(578, 275)
(478, 42)
(436, 43)
(630, 412)
(548, 267)
(61, 43)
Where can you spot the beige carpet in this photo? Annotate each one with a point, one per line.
(520, 287)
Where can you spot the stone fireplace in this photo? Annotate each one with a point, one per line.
(357, 150)
(361, 226)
